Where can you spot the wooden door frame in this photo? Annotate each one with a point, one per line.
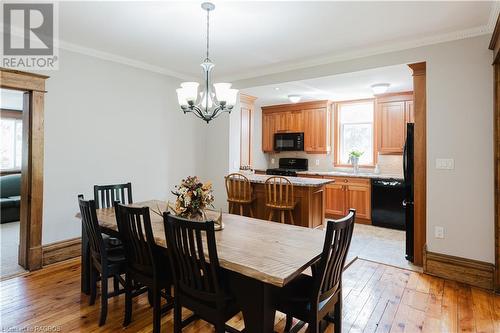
(495, 46)
(419, 162)
(30, 241)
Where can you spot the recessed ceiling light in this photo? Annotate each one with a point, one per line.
(380, 88)
(294, 98)
(276, 88)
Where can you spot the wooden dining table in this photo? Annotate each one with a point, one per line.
(257, 256)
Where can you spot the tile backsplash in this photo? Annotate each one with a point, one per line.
(388, 164)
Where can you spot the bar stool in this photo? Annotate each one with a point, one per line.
(280, 197)
(239, 192)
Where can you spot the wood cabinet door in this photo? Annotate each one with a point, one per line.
(295, 121)
(280, 121)
(359, 198)
(335, 197)
(392, 125)
(268, 130)
(316, 131)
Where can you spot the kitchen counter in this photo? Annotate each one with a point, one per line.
(333, 173)
(296, 181)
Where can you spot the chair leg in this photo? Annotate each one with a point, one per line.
(282, 218)
(241, 209)
(156, 310)
(251, 211)
(150, 297)
(220, 327)
(288, 325)
(271, 213)
(337, 315)
(230, 208)
(291, 217)
(116, 284)
(104, 297)
(93, 284)
(128, 301)
(177, 315)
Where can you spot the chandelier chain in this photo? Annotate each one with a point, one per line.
(208, 31)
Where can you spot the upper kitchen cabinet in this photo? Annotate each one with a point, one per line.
(311, 118)
(394, 111)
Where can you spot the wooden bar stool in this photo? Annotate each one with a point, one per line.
(239, 192)
(280, 197)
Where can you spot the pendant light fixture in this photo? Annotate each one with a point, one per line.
(214, 99)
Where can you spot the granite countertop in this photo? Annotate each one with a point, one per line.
(347, 174)
(352, 174)
(296, 181)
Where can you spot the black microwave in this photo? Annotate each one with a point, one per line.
(289, 141)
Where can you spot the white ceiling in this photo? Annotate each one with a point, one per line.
(251, 38)
(341, 87)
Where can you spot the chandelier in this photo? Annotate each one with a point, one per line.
(215, 98)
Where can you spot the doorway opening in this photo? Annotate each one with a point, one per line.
(366, 123)
(11, 146)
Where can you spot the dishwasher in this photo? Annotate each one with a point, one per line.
(387, 203)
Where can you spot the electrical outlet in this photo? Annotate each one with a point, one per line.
(272, 160)
(317, 162)
(445, 163)
(439, 232)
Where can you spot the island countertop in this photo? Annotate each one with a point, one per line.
(296, 181)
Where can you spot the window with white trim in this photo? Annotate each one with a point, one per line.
(355, 126)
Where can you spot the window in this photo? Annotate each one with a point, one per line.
(11, 142)
(355, 131)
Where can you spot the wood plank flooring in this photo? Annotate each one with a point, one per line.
(377, 298)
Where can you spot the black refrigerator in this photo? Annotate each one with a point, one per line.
(408, 181)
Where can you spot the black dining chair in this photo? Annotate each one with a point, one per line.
(145, 264)
(105, 196)
(105, 261)
(312, 299)
(198, 283)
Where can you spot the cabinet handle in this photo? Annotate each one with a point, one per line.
(345, 180)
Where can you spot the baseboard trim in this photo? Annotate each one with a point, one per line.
(473, 272)
(62, 250)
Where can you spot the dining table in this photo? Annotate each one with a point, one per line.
(257, 256)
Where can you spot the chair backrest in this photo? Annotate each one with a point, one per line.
(106, 195)
(238, 187)
(329, 270)
(136, 233)
(279, 191)
(91, 225)
(193, 274)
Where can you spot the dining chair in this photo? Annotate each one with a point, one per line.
(145, 264)
(198, 284)
(280, 197)
(312, 299)
(239, 193)
(104, 260)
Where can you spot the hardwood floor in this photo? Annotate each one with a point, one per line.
(377, 298)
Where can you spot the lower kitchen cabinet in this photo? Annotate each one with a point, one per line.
(348, 193)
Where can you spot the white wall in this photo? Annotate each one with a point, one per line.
(107, 123)
(459, 115)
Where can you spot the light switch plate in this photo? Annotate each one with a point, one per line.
(317, 162)
(272, 160)
(445, 163)
(439, 232)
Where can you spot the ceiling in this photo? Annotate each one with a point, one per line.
(340, 87)
(251, 38)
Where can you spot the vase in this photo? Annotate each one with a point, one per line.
(355, 164)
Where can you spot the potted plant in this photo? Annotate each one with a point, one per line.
(354, 156)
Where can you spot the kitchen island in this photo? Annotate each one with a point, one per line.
(309, 194)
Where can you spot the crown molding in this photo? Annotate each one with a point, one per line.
(366, 52)
(121, 60)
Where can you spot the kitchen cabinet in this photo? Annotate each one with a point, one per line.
(317, 138)
(393, 113)
(268, 130)
(246, 114)
(348, 193)
(311, 118)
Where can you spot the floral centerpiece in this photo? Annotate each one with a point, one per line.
(193, 197)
